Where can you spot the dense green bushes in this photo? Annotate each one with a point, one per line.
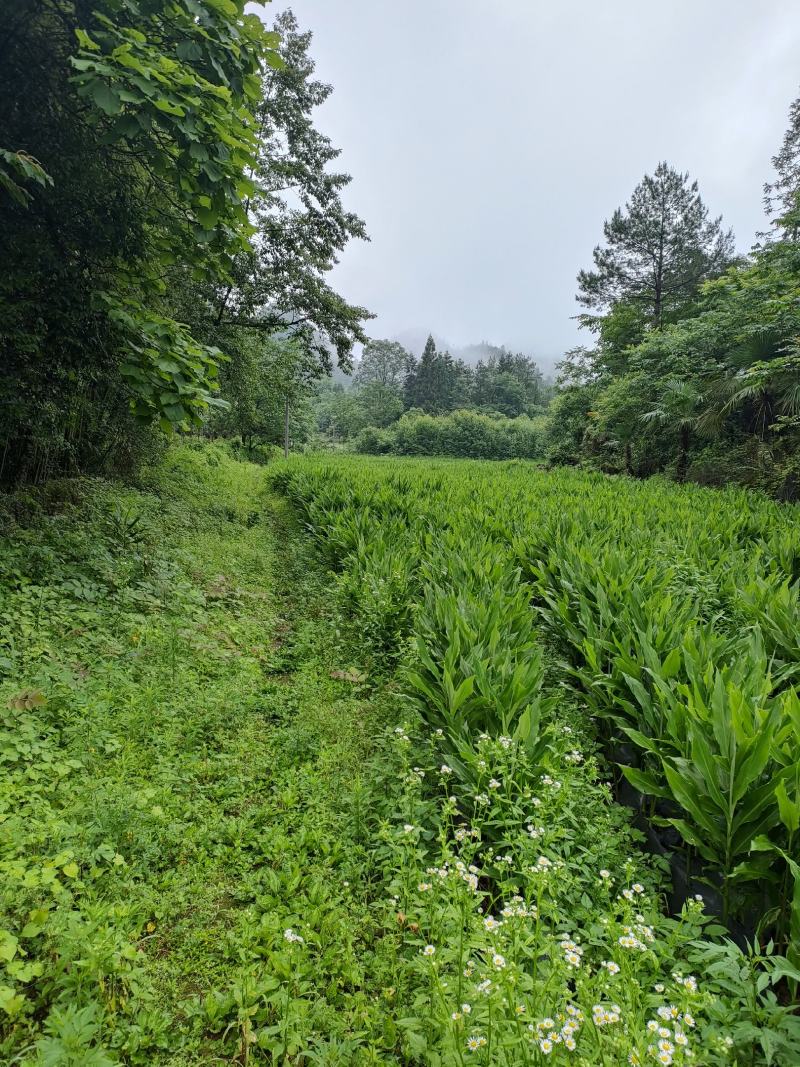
(165, 198)
(463, 433)
(703, 386)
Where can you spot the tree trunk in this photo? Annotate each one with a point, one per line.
(286, 428)
(683, 455)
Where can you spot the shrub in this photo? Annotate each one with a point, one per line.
(459, 434)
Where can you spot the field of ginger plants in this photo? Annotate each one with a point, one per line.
(559, 637)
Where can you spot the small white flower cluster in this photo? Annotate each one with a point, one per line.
(572, 952)
(629, 894)
(610, 966)
(551, 782)
(401, 735)
(668, 1012)
(475, 1042)
(517, 909)
(574, 756)
(636, 937)
(534, 831)
(544, 864)
(468, 875)
(293, 938)
(668, 1039)
(547, 1034)
(505, 742)
(606, 1014)
(456, 1016)
(689, 983)
(463, 832)
(494, 784)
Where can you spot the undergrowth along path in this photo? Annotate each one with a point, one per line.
(179, 809)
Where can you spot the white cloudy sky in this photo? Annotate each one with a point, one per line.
(488, 141)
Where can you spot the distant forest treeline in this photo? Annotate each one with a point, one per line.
(169, 217)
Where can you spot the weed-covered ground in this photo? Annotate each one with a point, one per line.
(180, 780)
(234, 827)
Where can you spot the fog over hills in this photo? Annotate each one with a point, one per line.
(414, 341)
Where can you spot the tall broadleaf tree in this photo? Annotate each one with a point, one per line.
(131, 143)
(301, 222)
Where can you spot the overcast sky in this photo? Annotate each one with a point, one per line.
(488, 141)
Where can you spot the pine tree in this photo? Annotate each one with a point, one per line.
(782, 197)
(658, 249)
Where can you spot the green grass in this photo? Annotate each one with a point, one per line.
(179, 790)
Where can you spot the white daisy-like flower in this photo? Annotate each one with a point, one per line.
(429, 950)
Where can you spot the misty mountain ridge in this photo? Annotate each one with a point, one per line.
(413, 340)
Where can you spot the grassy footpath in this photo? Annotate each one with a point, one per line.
(180, 800)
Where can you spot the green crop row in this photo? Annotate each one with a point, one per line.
(674, 613)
